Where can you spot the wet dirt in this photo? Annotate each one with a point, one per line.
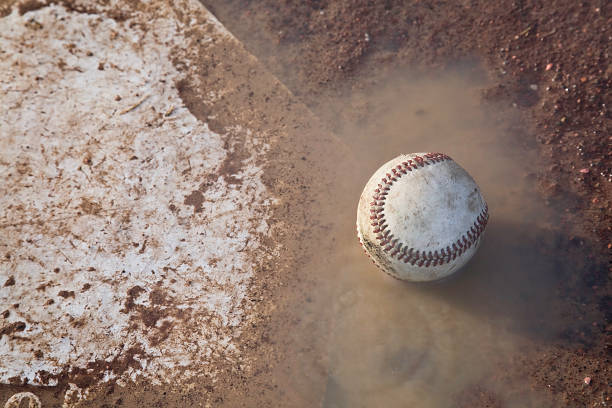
(516, 94)
(397, 344)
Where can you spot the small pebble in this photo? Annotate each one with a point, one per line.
(533, 87)
(587, 380)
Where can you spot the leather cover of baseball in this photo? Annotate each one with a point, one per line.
(421, 217)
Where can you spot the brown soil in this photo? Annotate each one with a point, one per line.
(547, 60)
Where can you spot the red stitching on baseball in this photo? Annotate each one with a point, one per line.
(411, 255)
(373, 260)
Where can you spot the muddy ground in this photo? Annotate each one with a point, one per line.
(548, 61)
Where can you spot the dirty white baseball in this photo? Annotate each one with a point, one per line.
(421, 217)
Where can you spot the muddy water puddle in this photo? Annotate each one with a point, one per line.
(396, 344)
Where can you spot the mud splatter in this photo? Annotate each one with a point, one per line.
(99, 193)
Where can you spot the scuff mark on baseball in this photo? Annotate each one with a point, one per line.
(421, 217)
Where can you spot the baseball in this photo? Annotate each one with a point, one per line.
(421, 217)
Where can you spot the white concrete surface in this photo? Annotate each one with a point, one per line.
(97, 155)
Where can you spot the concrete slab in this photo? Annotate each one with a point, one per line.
(155, 185)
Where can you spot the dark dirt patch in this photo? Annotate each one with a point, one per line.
(162, 306)
(199, 109)
(66, 293)
(196, 198)
(30, 5)
(233, 162)
(158, 297)
(90, 207)
(12, 328)
(132, 294)
(149, 316)
(43, 287)
(94, 371)
(10, 281)
(163, 332)
(5, 8)
(85, 8)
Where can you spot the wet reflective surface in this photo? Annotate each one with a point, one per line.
(398, 344)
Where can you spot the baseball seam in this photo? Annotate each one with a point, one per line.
(400, 251)
(374, 261)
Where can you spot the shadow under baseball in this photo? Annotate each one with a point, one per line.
(396, 343)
